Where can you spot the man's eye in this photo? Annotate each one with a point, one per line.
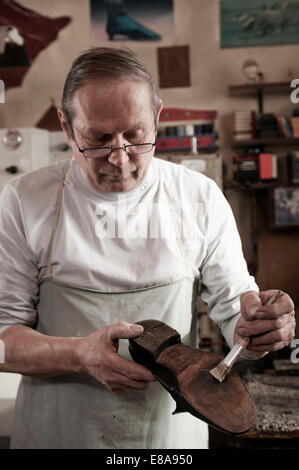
(134, 136)
(98, 141)
(94, 144)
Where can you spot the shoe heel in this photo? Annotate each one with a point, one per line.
(145, 349)
(156, 337)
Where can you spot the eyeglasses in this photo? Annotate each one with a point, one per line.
(104, 151)
(100, 152)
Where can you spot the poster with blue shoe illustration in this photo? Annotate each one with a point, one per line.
(131, 20)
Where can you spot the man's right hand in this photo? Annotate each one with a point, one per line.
(98, 356)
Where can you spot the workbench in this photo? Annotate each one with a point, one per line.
(276, 398)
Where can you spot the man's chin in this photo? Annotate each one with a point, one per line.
(116, 184)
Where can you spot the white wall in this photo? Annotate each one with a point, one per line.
(25, 105)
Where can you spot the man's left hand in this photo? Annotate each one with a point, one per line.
(270, 327)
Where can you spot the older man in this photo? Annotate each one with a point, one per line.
(92, 245)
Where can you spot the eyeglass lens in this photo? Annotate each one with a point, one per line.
(131, 149)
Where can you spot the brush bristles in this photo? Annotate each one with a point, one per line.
(221, 371)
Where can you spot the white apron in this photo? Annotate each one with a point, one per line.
(76, 411)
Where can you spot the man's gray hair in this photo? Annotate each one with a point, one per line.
(103, 65)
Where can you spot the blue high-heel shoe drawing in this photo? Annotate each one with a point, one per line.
(119, 22)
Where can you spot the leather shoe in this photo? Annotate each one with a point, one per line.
(184, 372)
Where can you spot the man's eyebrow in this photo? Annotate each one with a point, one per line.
(98, 133)
(95, 132)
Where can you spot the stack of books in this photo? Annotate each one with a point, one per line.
(246, 168)
(255, 167)
(269, 127)
(268, 166)
(244, 125)
(178, 128)
(284, 127)
(293, 167)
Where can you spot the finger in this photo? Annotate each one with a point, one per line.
(284, 334)
(257, 327)
(273, 346)
(121, 383)
(268, 347)
(124, 330)
(117, 389)
(129, 368)
(267, 296)
(137, 384)
(250, 302)
(282, 306)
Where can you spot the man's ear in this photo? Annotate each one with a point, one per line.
(159, 112)
(158, 115)
(63, 123)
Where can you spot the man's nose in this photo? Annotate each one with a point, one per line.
(118, 156)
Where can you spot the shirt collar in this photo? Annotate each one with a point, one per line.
(136, 193)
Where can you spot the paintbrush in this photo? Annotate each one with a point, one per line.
(225, 366)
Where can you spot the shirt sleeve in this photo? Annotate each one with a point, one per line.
(224, 272)
(19, 273)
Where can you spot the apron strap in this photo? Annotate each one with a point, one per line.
(58, 207)
(178, 236)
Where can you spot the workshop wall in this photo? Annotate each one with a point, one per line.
(197, 24)
(25, 105)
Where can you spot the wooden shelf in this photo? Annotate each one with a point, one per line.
(269, 142)
(260, 185)
(278, 88)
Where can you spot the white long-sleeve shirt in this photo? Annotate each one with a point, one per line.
(116, 242)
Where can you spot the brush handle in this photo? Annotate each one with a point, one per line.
(244, 341)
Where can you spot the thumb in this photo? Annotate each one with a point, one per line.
(124, 330)
(250, 303)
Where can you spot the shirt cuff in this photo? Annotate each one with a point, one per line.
(228, 329)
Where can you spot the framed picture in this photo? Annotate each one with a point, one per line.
(284, 207)
(259, 23)
(140, 21)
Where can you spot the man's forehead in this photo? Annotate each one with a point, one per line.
(112, 95)
(123, 105)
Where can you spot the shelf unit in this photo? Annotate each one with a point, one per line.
(259, 90)
(259, 193)
(255, 88)
(185, 124)
(264, 142)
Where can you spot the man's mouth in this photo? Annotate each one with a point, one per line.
(118, 177)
